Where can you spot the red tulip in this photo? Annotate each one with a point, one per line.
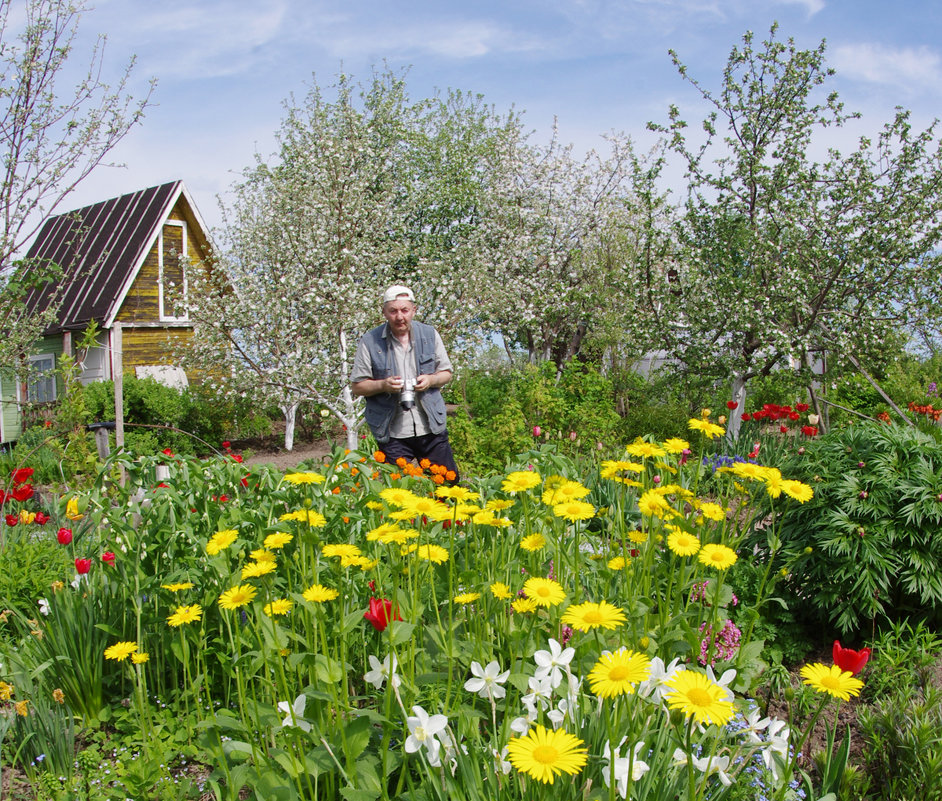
(22, 474)
(731, 405)
(82, 566)
(783, 429)
(167, 452)
(226, 445)
(108, 558)
(380, 613)
(12, 520)
(64, 535)
(801, 407)
(848, 659)
(22, 493)
(41, 518)
(746, 417)
(537, 431)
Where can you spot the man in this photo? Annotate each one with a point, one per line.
(399, 368)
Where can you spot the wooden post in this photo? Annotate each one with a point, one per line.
(117, 373)
(101, 442)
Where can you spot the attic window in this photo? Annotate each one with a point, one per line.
(173, 283)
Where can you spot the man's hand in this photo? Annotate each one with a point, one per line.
(423, 382)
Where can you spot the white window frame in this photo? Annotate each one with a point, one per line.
(50, 376)
(164, 317)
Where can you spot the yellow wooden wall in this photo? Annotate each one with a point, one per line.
(146, 346)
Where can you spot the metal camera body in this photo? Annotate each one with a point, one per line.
(407, 394)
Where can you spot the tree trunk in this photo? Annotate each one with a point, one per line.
(735, 415)
(290, 412)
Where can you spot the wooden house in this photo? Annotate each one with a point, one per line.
(120, 262)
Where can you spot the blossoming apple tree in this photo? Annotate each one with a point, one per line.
(788, 257)
(367, 189)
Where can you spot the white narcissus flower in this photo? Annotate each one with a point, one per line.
(723, 681)
(423, 729)
(558, 715)
(501, 763)
(778, 744)
(624, 767)
(487, 681)
(541, 690)
(43, 606)
(522, 724)
(294, 713)
(380, 671)
(656, 685)
(552, 662)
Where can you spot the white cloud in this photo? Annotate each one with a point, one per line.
(452, 39)
(913, 69)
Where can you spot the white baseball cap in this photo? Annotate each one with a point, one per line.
(398, 291)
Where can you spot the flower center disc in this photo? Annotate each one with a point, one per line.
(831, 682)
(618, 673)
(699, 697)
(545, 754)
(593, 617)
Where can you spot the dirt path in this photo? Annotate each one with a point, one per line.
(263, 453)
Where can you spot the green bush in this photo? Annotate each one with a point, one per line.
(868, 545)
(29, 566)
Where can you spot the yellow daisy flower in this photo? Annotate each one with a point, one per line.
(676, 445)
(140, 658)
(545, 592)
(277, 540)
(524, 605)
(318, 594)
(696, 696)
(521, 481)
(720, 557)
(617, 673)
(280, 606)
(533, 542)
(185, 614)
(178, 587)
(466, 597)
(796, 489)
(588, 615)
(257, 569)
(831, 680)
(120, 651)
(220, 541)
(683, 543)
(574, 510)
(543, 754)
(304, 478)
(236, 597)
(710, 430)
(340, 549)
(500, 591)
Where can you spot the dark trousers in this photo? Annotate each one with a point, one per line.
(434, 447)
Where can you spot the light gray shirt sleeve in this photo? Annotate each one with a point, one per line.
(442, 362)
(362, 363)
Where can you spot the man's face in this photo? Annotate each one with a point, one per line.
(399, 314)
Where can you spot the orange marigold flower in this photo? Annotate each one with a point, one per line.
(354, 471)
(374, 475)
(336, 490)
(379, 456)
(346, 519)
(401, 461)
(451, 475)
(438, 479)
(425, 464)
(395, 476)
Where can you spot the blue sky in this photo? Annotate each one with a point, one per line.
(225, 67)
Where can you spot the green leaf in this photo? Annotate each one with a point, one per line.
(400, 631)
(327, 670)
(357, 736)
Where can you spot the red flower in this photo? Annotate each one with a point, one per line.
(223, 498)
(380, 613)
(22, 474)
(167, 452)
(226, 445)
(236, 457)
(848, 659)
(41, 519)
(801, 407)
(22, 493)
(746, 417)
(3, 497)
(783, 429)
(809, 431)
(793, 415)
(64, 535)
(731, 405)
(245, 481)
(162, 485)
(12, 520)
(82, 566)
(108, 558)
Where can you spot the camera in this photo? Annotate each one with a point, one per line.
(407, 394)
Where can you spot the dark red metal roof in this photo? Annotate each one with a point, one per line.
(98, 247)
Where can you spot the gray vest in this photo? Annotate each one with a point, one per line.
(381, 408)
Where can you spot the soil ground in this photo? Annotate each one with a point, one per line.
(271, 451)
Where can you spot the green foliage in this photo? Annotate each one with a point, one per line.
(498, 410)
(903, 655)
(28, 566)
(868, 545)
(903, 750)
